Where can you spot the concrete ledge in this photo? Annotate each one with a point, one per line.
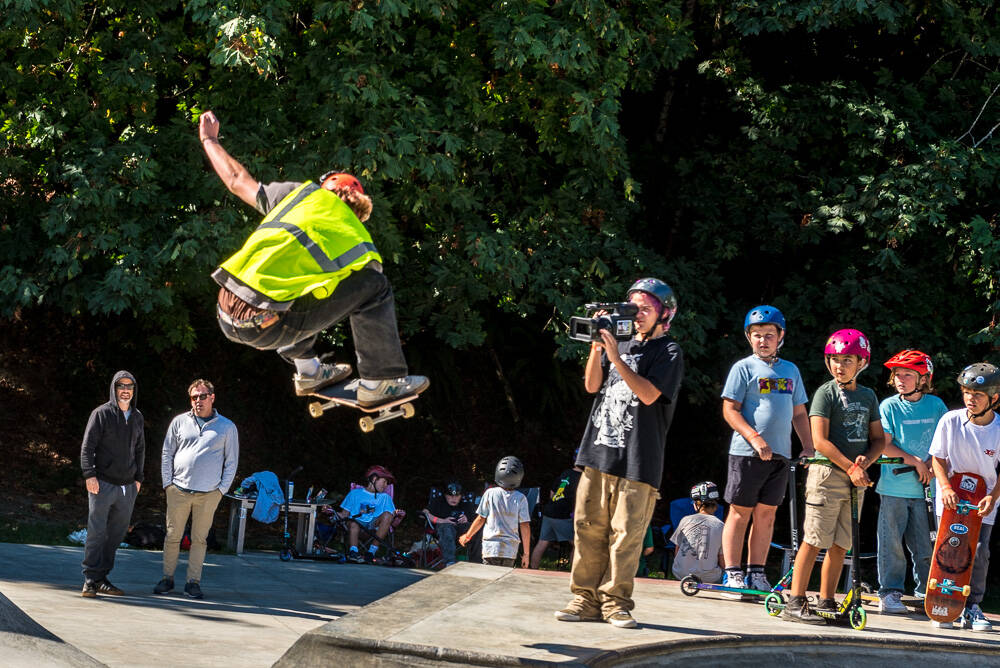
(472, 615)
(25, 642)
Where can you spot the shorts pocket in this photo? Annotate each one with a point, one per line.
(817, 499)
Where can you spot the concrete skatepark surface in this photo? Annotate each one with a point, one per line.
(259, 610)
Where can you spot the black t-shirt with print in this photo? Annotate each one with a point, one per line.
(563, 489)
(624, 437)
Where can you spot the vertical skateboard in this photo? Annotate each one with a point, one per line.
(346, 394)
(955, 550)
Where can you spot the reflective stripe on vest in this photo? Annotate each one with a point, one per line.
(324, 230)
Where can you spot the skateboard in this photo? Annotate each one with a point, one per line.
(346, 394)
(955, 550)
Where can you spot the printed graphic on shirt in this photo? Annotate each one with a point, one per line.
(695, 541)
(561, 490)
(856, 422)
(776, 385)
(612, 418)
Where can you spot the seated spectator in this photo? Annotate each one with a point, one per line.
(449, 517)
(370, 507)
(699, 538)
(557, 514)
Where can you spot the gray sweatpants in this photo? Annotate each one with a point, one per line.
(107, 522)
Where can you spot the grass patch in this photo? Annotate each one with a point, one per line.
(36, 533)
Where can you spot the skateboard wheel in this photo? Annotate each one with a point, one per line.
(932, 584)
(408, 411)
(966, 590)
(858, 618)
(316, 409)
(773, 604)
(689, 585)
(367, 424)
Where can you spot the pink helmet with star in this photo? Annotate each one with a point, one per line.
(848, 342)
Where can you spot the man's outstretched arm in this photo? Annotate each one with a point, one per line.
(233, 174)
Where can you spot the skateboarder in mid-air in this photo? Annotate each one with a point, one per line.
(310, 264)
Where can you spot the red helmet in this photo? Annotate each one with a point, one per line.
(379, 471)
(913, 360)
(342, 180)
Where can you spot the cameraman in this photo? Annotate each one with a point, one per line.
(622, 454)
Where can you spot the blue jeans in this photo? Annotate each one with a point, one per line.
(902, 520)
(365, 297)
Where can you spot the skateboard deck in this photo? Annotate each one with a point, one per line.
(955, 550)
(346, 394)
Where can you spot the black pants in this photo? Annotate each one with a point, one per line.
(107, 522)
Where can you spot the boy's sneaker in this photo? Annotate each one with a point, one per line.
(193, 589)
(164, 585)
(369, 557)
(892, 604)
(919, 594)
(89, 589)
(105, 587)
(355, 557)
(328, 374)
(973, 618)
(826, 605)
(622, 619)
(387, 390)
(758, 581)
(736, 580)
(798, 610)
(942, 625)
(578, 611)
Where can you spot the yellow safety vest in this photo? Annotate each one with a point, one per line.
(307, 244)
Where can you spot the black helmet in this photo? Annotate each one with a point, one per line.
(705, 491)
(454, 488)
(982, 377)
(661, 291)
(509, 473)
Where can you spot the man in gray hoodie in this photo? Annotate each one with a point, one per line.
(112, 457)
(198, 465)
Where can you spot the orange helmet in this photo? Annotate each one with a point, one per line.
(913, 360)
(342, 180)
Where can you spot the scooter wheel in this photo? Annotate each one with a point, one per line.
(773, 604)
(285, 554)
(858, 618)
(689, 585)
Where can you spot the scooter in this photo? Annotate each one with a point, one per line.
(288, 550)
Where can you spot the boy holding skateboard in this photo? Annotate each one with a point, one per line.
(968, 440)
(908, 419)
(846, 430)
(762, 401)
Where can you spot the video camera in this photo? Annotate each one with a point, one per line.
(619, 320)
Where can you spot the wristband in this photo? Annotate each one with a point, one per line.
(753, 436)
(851, 470)
(215, 139)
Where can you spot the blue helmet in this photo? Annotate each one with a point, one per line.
(764, 315)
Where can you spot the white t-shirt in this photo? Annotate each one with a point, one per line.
(967, 447)
(504, 511)
(699, 541)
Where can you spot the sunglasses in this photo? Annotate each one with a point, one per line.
(124, 386)
(201, 397)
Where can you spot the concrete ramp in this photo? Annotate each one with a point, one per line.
(474, 615)
(25, 642)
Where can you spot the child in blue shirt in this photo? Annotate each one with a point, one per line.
(908, 419)
(762, 401)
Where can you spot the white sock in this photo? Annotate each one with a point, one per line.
(308, 366)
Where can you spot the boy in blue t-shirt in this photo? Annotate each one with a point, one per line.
(370, 507)
(908, 419)
(762, 400)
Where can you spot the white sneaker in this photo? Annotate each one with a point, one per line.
(917, 594)
(328, 374)
(737, 581)
(387, 390)
(942, 625)
(892, 604)
(973, 617)
(758, 581)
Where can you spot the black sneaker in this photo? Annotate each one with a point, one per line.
(105, 587)
(89, 589)
(369, 557)
(355, 557)
(164, 585)
(798, 610)
(826, 605)
(193, 589)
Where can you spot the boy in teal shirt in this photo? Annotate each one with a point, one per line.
(908, 419)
